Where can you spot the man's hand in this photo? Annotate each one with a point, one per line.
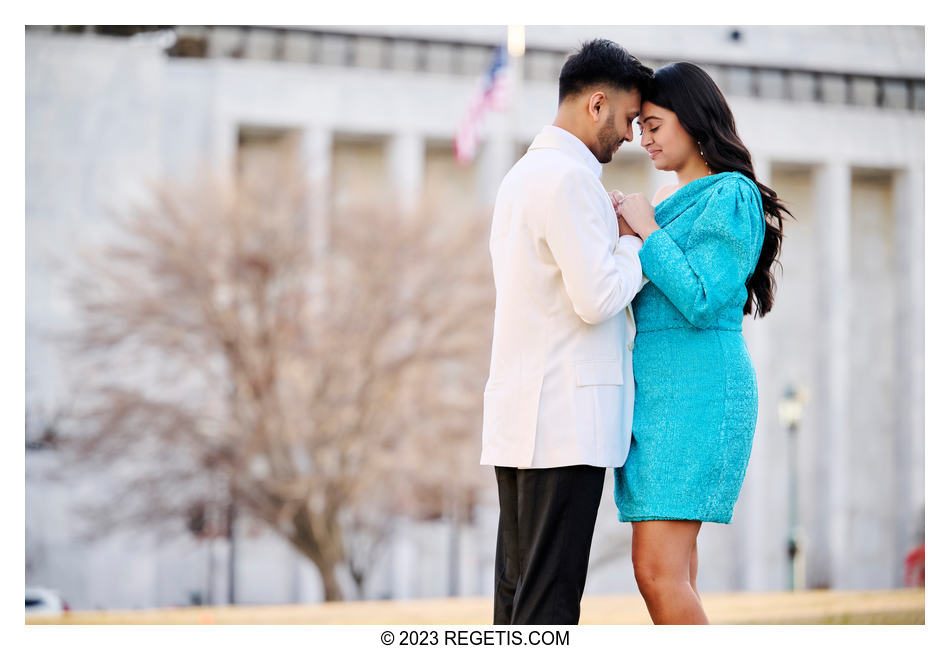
(616, 197)
(625, 228)
(637, 211)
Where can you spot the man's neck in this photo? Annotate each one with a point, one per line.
(571, 126)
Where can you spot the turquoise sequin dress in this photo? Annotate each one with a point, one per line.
(696, 397)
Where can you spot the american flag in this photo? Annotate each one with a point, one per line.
(493, 90)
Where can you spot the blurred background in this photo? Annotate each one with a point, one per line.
(259, 302)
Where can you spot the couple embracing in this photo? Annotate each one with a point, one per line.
(618, 336)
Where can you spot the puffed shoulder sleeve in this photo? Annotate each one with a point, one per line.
(601, 274)
(720, 254)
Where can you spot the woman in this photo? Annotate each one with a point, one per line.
(708, 253)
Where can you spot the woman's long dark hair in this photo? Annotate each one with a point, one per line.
(688, 91)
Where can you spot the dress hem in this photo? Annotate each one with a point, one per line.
(684, 517)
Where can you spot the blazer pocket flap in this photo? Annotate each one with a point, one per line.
(599, 373)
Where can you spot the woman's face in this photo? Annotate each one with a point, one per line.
(668, 144)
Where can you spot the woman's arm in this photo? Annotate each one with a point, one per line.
(712, 268)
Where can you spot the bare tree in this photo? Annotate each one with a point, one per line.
(321, 379)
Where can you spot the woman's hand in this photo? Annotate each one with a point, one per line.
(637, 211)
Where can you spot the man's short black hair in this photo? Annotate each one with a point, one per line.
(602, 61)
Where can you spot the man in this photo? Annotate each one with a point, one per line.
(559, 397)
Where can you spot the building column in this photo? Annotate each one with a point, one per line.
(833, 203)
(224, 142)
(307, 586)
(405, 163)
(498, 149)
(753, 570)
(316, 154)
(495, 158)
(404, 576)
(909, 442)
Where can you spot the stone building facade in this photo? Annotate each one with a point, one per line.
(834, 117)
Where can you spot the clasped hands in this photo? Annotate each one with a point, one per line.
(634, 214)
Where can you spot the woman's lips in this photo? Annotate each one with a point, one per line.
(653, 153)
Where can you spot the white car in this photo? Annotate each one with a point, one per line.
(40, 600)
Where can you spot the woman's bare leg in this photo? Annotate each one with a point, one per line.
(694, 568)
(663, 560)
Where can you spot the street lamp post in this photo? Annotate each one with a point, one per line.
(790, 410)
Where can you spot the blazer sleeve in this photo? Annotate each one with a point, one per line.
(712, 269)
(601, 274)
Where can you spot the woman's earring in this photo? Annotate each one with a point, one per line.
(708, 169)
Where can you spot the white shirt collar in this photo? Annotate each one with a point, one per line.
(554, 137)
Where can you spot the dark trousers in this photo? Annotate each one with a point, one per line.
(544, 534)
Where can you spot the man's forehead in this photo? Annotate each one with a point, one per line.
(633, 106)
(629, 99)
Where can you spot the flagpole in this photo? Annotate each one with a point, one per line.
(501, 123)
(516, 48)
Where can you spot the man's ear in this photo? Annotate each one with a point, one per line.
(597, 105)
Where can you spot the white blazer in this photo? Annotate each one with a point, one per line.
(560, 389)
